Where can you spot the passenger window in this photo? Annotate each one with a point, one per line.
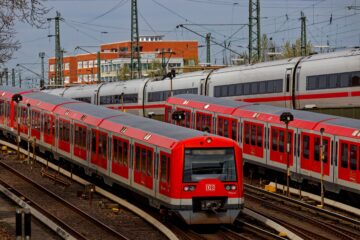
(287, 82)
(149, 162)
(259, 136)
(274, 139)
(254, 88)
(355, 79)
(326, 150)
(224, 91)
(220, 127)
(353, 156)
(233, 129)
(253, 135)
(239, 89)
(306, 146)
(126, 146)
(246, 88)
(231, 90)
(163, 168)
(281, 140)
(137, 158)
(93, 141)
(322, 81)
(247, 133)
(317, 149)
(262, 87)
(143, 160)
(344, 155)
(217, 91)
(333, 81)
(226, 128)
(344, 79)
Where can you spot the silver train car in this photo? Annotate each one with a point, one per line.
(328, 81)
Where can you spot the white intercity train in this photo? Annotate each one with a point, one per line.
(321, 81)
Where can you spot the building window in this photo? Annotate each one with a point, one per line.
(79, 65)
(67, 66)
(52, 68)
(85, 64)
(91, 64)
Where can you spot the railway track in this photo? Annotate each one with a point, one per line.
(310, 221)
(74, 220)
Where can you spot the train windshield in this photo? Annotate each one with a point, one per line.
(209, 163)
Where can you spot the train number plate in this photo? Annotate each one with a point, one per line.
(210, 187)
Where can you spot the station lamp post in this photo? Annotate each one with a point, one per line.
(322, 157)
(287, 117)
(18, 98)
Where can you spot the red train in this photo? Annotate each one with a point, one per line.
(261, 135)
(194, 175)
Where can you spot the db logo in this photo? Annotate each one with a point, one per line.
(210, 187)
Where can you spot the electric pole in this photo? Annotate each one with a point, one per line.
(13, 77)
(135, 47)
(42, 80)
(59, 81)
(303, 34)
(19, 79)
(254, 35)
(208, 59)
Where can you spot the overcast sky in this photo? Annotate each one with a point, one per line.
(92, 22)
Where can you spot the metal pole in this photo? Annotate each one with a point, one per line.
(19, 79)
(6, 76)
(287, 160)
(13, 77)
(42, 80)
(322, 166)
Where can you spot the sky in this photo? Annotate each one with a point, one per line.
(93, 22)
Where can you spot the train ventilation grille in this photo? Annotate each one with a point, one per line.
(123, 130)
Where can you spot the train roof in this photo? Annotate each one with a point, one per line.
(102, 116)
(337, 54)
(304, 119)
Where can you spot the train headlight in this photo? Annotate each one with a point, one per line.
(230, 187)
(189, 188)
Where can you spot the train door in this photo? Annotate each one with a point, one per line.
(349, 161)
(144, 162)
(49, 129)
(310, 153)
(64, 135)
(120, 157)
(164, 173)
(203, 122)
(296, 89)
(253, 139)
(35, 124)
(167, 114)
(23, 120)
(281, 153)
(99, 148)
(227, 127)
(287, 85)
(80, 141)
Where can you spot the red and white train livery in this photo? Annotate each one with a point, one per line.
(195, 175)
(261, 135)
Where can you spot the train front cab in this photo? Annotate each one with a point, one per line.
(211, 190)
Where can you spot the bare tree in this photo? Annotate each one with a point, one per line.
(29, 11)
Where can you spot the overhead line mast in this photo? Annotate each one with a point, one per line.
(135, 46)
(254, 35)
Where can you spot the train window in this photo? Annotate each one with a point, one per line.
(239, 89)
(344, 155)
(253, 135)
(126, 153)
(35, 120)
(274, 139)
(306, 147)
(317, 149)
(311, 83)
(262, 87)
(333, 81)
(247, 89)
(93, 141)
(226, 128)
(163, 168)
(224, 91)
(137, 158)
(355, 79)
(278, 85)
(143, 160)
(247, 133)
(116, 148)
(149, 162)
(168, 114)
(259, 136)
(344, 80)
(233, 129)
(322, 82)
(64, 130)
(2, 108)
(281, 141)
(220, 127)
(102, 144)
(217, 91)
(288, 82)
(232, 90)
(353, 156)
(254, 88)
(270, 87)
(80, 136)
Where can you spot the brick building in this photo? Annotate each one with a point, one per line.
(82, 68)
